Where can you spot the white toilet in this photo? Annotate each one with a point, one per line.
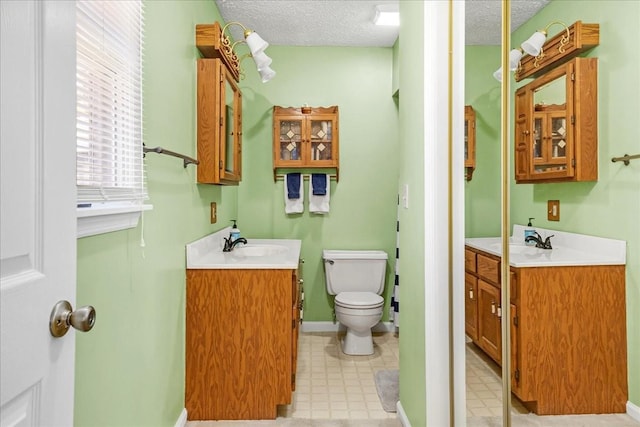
(356, 278)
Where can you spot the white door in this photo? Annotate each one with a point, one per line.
(37, 207)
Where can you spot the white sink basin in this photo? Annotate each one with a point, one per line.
(519, 249)
(253, 250)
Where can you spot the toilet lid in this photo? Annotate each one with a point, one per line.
(359, 300)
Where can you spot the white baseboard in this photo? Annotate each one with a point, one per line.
(328, 326)
(402, 416)
(182, 419)
(633, 411)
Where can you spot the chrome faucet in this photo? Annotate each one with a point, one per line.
(229, 243)
(546, 244)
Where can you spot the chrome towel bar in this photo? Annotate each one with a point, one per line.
(187, 160)
(626, 158)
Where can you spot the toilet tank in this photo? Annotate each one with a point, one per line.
(354, 271)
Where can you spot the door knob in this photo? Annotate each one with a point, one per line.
(63, 316)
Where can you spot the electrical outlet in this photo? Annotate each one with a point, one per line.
(553, 210)
(214, 213)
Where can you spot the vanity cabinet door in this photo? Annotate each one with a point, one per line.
(489, 332)
(471, 306)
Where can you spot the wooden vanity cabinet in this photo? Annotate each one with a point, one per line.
(305, 137)
(568, 333)
(241, 342)
(469, 141)
(556, 125)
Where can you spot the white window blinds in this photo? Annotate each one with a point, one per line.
(109, 162)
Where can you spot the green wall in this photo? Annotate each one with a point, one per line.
(482, 92)
(130, 367)
(412, 292)
(363, 202)
(609, 207)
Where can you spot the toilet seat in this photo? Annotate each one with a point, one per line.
(359, 300)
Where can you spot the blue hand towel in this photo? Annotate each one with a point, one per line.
(319, 184)
(293, 185)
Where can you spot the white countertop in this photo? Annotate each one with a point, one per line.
(568, 249)
(206, 253)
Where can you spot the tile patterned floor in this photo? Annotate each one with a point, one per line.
(484, 386)
(336, 390)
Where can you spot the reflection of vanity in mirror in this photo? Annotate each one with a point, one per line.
(556, 129)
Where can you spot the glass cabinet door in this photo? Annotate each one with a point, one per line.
(558, 137)
(291, 139)
(321, 139)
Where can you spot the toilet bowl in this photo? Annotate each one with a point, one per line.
(358, 312)
(356, 278)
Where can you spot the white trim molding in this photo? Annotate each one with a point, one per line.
(633, 411)
(182, 419)
(402, 416)
(97, 220)
(328, 326)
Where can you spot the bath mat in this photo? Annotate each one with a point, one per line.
(388, 387)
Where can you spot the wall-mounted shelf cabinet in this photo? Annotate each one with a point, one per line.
(469, 141)
(305, 137)
(219, 124)
(556, 129)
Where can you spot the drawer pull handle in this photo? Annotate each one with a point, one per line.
(470, 293)
(493, 307)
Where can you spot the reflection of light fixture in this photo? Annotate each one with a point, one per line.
(387, 14)
(514, 63)
(257, 46)
(533, 45)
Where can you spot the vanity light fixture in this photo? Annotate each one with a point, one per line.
(514, 63)
(387, 14)
(257, 46)
(534, 47)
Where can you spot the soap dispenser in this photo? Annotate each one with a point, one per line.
(529, 231)
(235, 231)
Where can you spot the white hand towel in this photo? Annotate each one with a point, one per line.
(319, 204)
(292, 206)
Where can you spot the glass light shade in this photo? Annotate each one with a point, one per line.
(266, 74)
(534, 44)
(262, 60)
(498, 74)
(256, 43)
(514, 58)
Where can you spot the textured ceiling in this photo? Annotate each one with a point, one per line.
(350, 22)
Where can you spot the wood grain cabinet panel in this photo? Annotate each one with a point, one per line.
(568, 334)
(241, 336)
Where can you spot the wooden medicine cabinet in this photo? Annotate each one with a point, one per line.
(469, 141)
(219, 124)
(556, 128)
(305, 137)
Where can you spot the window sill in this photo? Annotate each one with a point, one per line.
(106, 218)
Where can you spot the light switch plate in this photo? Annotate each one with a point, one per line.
(405, 196)
(214, 213)
(553, 210)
